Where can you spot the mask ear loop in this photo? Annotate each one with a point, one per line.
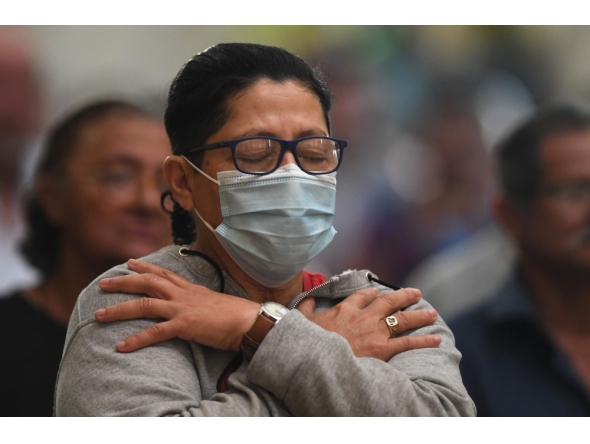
(207, 177)
(216, 182)
(186, 251)
(204, 221)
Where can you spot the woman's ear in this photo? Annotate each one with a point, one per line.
(177, 172)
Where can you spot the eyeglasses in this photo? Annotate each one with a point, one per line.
(263, 155)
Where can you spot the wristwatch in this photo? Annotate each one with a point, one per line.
(269, 314)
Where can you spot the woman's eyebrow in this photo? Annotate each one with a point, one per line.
(316, 131)
(312, 132)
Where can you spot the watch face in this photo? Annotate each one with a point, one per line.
(274, 309)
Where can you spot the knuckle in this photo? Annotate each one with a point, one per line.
(144, 304)
(366, 348)
(403, 318)
(190, 319)
(150, 278)
(340, 308)
(155, 331)
(370, 350)
(405, 342)
(389, 298)
(367, 294)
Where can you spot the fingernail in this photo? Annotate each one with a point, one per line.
(105, 281)
(121, 344)
(433, 312)
(416, 291)
(438, 339)
(99, 313)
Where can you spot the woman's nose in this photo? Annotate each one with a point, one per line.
(288, 158)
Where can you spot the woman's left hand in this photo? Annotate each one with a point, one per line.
(360, 320)
(192, 312)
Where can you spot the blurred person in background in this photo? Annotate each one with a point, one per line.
(435, 193)
(526, 352)
(466, 274)
(471, 271)
(95, 203)
(20, 124)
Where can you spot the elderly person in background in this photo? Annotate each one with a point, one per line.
(526, 352)
(95, 203)
(255, 164)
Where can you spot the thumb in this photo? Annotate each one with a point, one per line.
(306, 306)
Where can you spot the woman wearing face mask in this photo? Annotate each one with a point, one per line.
(255, 164)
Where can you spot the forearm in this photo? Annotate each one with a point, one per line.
(160, 380)
(315, 373)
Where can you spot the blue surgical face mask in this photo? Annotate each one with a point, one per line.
(273, 225)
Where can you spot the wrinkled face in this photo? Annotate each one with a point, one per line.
(111, 211)
(283, 110)
(558, 226)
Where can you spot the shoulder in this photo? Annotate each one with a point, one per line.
(343, 285)
(93, 298)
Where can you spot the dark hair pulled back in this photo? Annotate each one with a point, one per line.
(200, 95)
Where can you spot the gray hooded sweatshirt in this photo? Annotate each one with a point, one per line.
(300, 369)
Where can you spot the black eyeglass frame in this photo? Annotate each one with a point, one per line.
(285, 145)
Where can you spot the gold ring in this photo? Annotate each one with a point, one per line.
(392, 323)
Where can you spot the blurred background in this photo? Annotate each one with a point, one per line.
(421, 107)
